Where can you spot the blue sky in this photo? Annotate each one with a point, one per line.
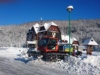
(22, 11)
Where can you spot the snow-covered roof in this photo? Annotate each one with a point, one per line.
(31, 42)
(66, 37)
(74, 39)
(29, 30)
(90, 42)
(36, 27)
(42, 31)
(47, 25)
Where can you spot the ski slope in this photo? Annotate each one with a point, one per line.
(14, 61)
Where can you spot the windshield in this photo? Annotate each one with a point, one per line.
(43, 42)
(52, 41)
(46, 41)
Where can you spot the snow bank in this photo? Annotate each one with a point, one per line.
(83, 65)
(89, 65)
(93, 60)
(12, 51)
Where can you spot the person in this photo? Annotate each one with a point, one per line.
(79, 52)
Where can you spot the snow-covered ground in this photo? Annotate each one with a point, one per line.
(14, 61)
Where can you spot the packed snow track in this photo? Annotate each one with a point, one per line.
(14, 61)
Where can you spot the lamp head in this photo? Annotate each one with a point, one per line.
(70, 8)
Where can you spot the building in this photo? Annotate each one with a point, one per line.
(50, 30)
(38, 31)
(32, 35)
(75, 44)
(89, 43)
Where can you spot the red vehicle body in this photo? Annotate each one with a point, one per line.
(48, 47)
(50, 50)
(48, 44)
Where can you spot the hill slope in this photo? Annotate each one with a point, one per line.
(15, 35)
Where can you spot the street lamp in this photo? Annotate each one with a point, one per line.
(69, 9)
